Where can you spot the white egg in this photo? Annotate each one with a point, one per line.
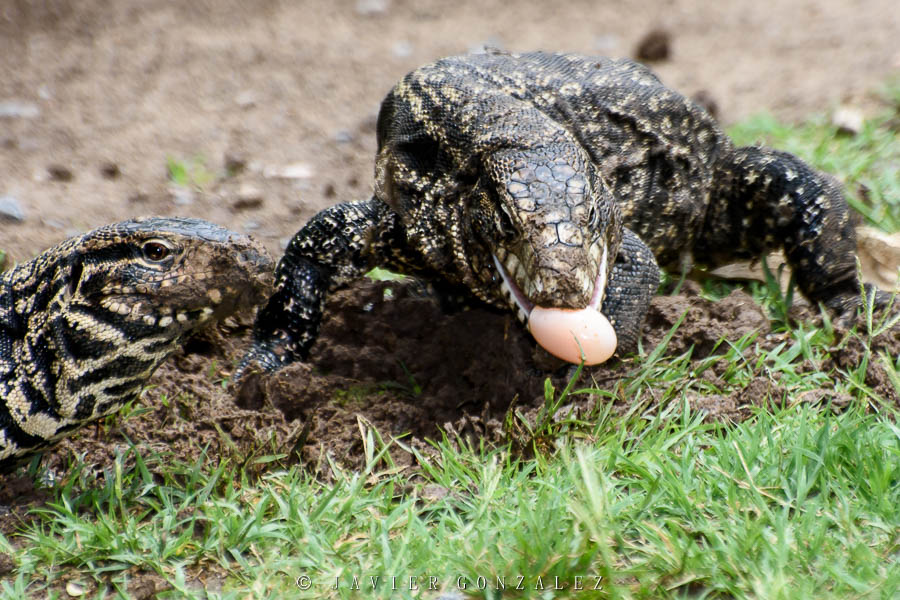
(566, 333)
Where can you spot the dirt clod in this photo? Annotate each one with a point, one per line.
(60, 173)
(704, 320)
(145, 586)
(7, 564)
(235, 162)
(109, 170)
(654, 46)
(851, 354)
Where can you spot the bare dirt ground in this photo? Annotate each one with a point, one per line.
(274, 104)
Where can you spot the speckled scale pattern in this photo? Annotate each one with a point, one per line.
(767, 199)
(84, 324)
(573, 173)
(634, 278)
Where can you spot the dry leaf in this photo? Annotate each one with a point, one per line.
(879, 256)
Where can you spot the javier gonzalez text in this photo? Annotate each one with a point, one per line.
(461, 582)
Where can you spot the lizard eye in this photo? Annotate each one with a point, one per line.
(505, 224)
(155, 251)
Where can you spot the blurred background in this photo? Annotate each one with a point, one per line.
(258, 113)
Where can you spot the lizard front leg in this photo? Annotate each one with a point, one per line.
(633, 282)
(335, 247)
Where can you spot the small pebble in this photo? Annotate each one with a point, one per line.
(292, 171)
(59, 173)
(246, 99)
(343, 136)
(248, 196)
(848, 120)
(75, 589)
(11, 210)
(654, 46)
(492, 43)
(181, 196)
(15, 109)
(606, 44)
(369, 8)
(139, 197)
(402, 49)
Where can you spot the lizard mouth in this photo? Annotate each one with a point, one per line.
(573, 334)
(520, 300)
(512, 292)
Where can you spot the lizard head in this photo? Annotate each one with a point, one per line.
(554, 228)
(99, 313)
(161, 277)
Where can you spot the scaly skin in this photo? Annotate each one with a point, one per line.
(575, 175)
(85, 324)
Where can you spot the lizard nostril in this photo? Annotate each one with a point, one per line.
(255, 257)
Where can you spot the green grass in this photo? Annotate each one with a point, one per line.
(798, 501)
(190, 172)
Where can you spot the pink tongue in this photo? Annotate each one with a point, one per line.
(566, 333)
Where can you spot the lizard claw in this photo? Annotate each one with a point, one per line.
(261, 358)
(849, 305)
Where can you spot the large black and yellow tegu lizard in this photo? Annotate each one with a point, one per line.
(85, 324)
(557, 180)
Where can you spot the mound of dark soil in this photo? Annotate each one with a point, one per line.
(389, 358)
